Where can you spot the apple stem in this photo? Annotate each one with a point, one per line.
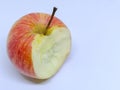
(51, 18)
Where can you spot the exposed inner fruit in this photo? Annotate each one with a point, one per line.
(50, 51)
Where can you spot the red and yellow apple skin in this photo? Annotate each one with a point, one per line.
(21, 37)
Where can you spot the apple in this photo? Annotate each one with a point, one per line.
(38, 44)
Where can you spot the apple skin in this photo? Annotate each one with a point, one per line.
(21, 36)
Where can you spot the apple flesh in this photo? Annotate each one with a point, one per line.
(35, 51)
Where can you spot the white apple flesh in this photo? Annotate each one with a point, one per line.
(49, 52)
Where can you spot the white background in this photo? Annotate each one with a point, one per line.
(94, 62)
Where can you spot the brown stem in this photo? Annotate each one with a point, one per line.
(51, 18)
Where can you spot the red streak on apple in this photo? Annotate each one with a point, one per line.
(19, 49)
(20, 39)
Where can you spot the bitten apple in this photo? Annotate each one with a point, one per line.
(38, 44)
